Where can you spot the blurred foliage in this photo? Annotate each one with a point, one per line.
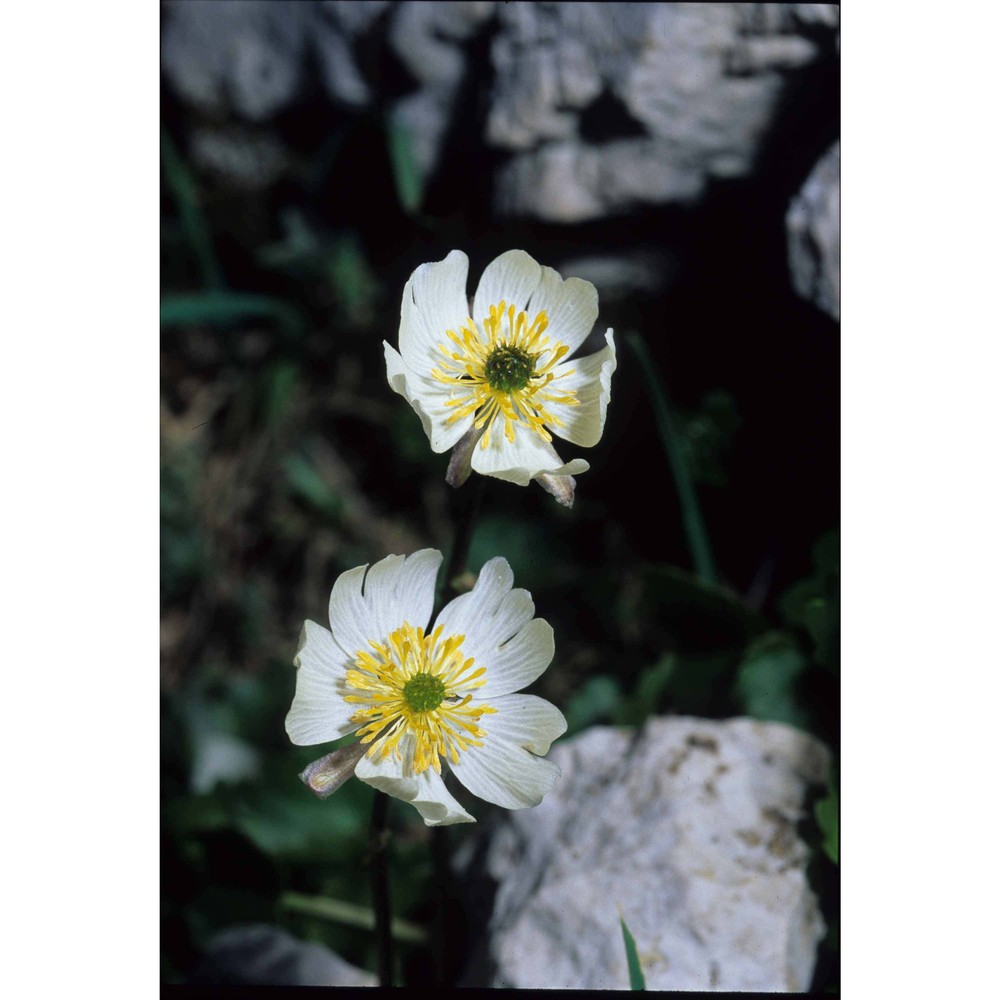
(707, 437)
(405, 171)
(677, 450)
(226, 308)
(828, 818)
(766, 680)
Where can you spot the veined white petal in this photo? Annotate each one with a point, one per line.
(505, 774)
(500, 632)
(512, 277)
(426, 791)
(434, 301)
(590, 379)
(520, 460)
(366, 607)
(319, 713)
(571, 306)
(512, 664)
(428, 397)
(525, 721)
(466, 613)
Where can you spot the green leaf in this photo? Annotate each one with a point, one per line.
(650, 688)
(828, 817)
(280, 386)
(766, 681)
(286, 821)
(353, 280)
(596, 701)
(636, 979)
(307, 482)
(350, 914)
(220, 308)
(407, 175)
(813, 603)
(673, 445)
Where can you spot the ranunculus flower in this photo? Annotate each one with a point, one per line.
(424, 700)
(502, 381)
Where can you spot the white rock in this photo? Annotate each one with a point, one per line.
(249, 58)
(813, 223)
(262, 955)
(686, 829)
(696, 87)
(428, 39)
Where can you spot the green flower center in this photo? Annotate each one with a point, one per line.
(508, 368)
(424, 692)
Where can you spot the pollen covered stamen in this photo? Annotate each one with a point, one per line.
(418, 685)
(503, 368)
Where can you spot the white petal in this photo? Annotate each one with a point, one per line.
(520, 460)
(590, 378)
(571, 306)
(505, 774)
(514, 664)
(525, 721)
(319, 713)
(426, 791)
(434, 301)
(500, 633)
(394, 590)
(428, 397)
(512, 277)
(468, 613)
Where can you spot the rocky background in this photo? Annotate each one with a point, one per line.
(684, 158)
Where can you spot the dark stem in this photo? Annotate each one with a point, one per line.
(377, 844)
(464, 528)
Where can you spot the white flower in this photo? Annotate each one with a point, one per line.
(424, 700)
(503, 372)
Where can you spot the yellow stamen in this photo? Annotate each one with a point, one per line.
(502, 369)
(437, 708)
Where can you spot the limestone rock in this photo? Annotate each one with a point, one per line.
(606, 107)
(687, 829)
(644, 272)
(428, 39)
(248, 158)
(813, 223)
(262, 955)
(249, 58)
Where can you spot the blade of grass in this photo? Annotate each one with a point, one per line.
(350, 915)
(227, 307)
(694, 524)
(196, 230)
(405, 171)
(636, 979)
(827, 812)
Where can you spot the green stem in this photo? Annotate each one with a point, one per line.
(350, 915)
(694, 525)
